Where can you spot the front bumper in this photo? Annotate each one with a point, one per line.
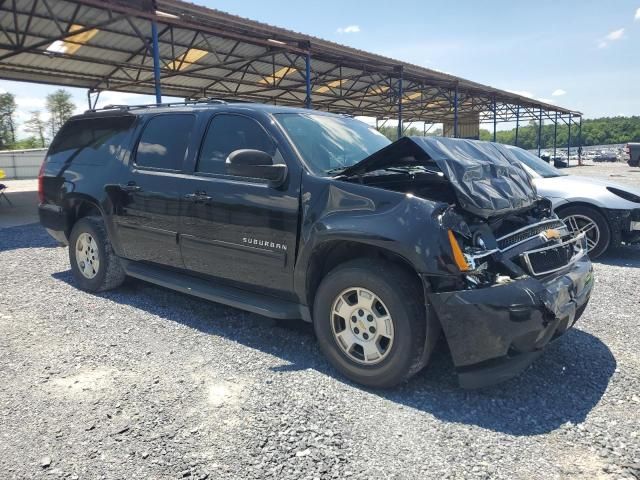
(624, 224)
(496, 332)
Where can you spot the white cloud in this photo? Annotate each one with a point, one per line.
(611, 37)
(637, 16)
(522, 93)
(615, 35)
(558, 92)
(349, 29)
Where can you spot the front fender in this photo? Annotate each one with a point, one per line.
(407, 226)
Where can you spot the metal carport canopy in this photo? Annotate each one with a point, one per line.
(109, 45)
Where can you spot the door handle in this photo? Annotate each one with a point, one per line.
(131, 187)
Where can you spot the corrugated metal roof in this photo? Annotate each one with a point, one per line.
(246, 59)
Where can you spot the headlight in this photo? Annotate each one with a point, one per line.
(458, 256)
(626, 195)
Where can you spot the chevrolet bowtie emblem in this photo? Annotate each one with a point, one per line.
(551, 233)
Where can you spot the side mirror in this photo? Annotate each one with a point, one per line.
(255, 164)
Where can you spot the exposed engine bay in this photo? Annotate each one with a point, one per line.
(499, 229)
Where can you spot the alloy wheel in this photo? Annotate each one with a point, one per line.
(87, 256)
(582, 224)
(362, 326)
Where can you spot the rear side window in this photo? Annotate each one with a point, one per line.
(92, 140)
(227, 133)
(164, 141)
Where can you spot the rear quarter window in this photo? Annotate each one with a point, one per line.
(92, 141)
(164, 142)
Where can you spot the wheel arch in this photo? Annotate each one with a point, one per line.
(78, 206)
(332, 253)
(582, 203)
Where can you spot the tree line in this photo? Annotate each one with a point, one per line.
(60, 108)
(596, 131)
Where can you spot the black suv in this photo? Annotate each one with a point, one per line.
(293, 213)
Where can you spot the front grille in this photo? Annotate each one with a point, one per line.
(550, 259)
(514, 238)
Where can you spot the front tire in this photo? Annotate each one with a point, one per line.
(369, 318)
(585, 219)
(94, 264)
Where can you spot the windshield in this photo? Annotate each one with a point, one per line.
(329, 144)
(539, 166)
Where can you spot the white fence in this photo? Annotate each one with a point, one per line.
(20, 164)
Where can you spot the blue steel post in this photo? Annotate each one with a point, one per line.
(156, 60)
(495, 119)
(569, 141)
(517, 122)
(455, 112)
(555, 135)
(307, 64)
(539, 131)
(400, 94)
(580, 141)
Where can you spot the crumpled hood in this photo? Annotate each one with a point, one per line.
(487, 178)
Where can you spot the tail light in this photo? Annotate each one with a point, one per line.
(40, 183)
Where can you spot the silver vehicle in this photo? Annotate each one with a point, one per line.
(608, 213)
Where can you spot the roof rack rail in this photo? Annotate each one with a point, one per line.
(207, 100)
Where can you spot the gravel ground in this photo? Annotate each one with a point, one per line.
(143, 382)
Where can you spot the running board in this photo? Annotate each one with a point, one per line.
(210, 290)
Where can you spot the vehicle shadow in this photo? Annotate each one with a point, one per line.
(623, 256)
(25, 236)
(562, 386)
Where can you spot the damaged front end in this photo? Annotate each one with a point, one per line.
(510, 276)
(518, 288)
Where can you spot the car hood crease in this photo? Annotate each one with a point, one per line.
(488, 180)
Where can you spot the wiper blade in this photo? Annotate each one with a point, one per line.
(413, 170)
(336, 171)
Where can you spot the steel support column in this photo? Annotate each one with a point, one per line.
(92, 104)
(569, 142)
(495, 119)
(517, 122)
(455, 112)
(400, 95)
(539, 131)
(555, 135)
(156, 60)
(580, 141)
(307, 64)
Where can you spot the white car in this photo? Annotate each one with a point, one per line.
(608, 213)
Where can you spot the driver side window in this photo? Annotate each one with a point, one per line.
(227, 133)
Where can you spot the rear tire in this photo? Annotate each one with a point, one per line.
(94, 264)
(382, 342)
(578, 216)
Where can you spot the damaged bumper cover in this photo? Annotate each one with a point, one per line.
(496, 332)
(625, 225)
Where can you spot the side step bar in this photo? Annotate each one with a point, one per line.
(210, 290)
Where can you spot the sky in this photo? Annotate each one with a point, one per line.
(583, 55)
